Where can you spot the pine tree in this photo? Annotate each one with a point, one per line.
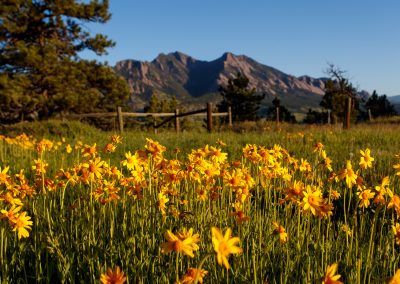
(41, 73)
(337, 90)
(380, 105)
(243, 101)
(284, 114)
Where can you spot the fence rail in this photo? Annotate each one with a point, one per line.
(207, 112)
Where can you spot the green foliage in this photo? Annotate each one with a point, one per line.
(243, 101)
(314, 116)
(41, 73)
(284, 114)
(52, 128)
(337, 89)
(156, 104)
(380, 105)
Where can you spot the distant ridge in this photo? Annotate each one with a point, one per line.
(194, 82)
(395, 100)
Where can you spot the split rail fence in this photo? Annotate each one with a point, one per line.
(119, 114)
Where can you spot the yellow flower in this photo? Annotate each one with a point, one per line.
(327, 161)
(250, 153)
(240, 216)
(94, 168)
(8, 198)
(224, 245)
(279, 229)
(312, 200)
(365, 196)
(396, 232)
(330, 277)
(40, 167)
(305, 166)
(174, 243)
(395, 203)
(89, 151)
(334, 194)
(220, 142)
(22, 223)
(349, 175)
(366, 159)
(11, 214)
(318, 147)
(154, 148)
(346, 229)
(397, 168)
(396, 278)
(109, 148)
(294, 191)
(190, 276)
(185, 234)
(68, 149)
(131, 162)
(115, 276)
(162, 201)
(4, 177)
(116, 139)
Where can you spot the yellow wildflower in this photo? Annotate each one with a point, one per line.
(115, 276)
(191, 274)
(365, 196)
(224, 245)
(349, 175)
(174, 243)
(366, 159)
(280, 230)
(330, 277)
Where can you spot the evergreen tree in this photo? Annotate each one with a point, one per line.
(337, 89)
(41, 73)
(317, 117)
(244, 102)
(161, 105)
(157, 105)
(284, 114)
(380, 105)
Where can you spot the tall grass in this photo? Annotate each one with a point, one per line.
(75, 237)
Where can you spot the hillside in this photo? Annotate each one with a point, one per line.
(194, 82)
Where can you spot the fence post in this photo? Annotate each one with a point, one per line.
(177, 124)
(209, 117)
(277, 115)
(348, 114)
(120, 120)
(230, 117)
(369, 115)
(329, 116)
(154, 124)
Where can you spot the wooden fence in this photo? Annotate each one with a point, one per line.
(207, 112)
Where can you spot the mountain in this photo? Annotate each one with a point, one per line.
(194, 82)
(395, 100)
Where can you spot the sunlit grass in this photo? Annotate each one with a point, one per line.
(149, 206)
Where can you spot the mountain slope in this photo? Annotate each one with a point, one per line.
(194, 82)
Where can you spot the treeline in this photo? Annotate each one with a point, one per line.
(339, 91)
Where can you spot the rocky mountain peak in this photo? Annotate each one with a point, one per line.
(191, 80)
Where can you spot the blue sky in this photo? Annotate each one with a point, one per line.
(298, 37)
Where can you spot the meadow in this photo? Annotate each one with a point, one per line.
(285, 204)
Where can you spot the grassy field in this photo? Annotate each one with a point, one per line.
(300, 204)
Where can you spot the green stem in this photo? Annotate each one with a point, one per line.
(196, 279)
(177, 268)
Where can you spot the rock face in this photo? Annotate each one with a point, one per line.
(195, 82)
